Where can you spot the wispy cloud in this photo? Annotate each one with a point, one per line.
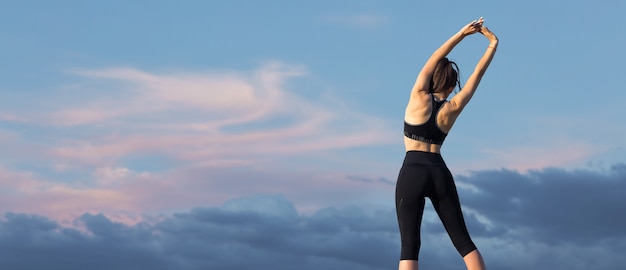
(199, 121)
(560, 153)
(534, 155)
(202, 116)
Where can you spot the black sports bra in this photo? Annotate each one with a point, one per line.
(427, 132)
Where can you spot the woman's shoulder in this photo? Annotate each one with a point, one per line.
(421, 96)
(418, 107)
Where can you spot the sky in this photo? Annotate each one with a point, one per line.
(267, 134)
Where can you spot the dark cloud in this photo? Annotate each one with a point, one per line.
(31, 242)
(370, 180)
(548, 219)
(558, 206)
(261, 232)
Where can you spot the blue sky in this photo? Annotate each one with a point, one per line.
(135, 119)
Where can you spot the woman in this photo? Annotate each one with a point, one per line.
(427, 120)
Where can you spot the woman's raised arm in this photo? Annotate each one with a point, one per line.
(422, 83)
(461, 99)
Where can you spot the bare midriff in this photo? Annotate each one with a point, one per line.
(413, 145)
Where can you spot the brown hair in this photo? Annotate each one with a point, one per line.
(446, 75)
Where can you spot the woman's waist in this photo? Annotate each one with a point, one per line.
(423, 157)
(413, 145)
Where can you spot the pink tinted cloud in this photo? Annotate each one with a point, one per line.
(206, 120)
(145, 117)
(564, 152)
(12, 118)
(25, 192)
(125, 195)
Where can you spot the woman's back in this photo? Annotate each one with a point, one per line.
(428, 119)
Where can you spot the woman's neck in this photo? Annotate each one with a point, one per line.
(439, 96)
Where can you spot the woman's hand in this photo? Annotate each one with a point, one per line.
(472, 27)
(488, 34)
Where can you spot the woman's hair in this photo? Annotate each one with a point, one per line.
(446, 75)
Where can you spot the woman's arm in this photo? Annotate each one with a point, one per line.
(423, 78)
(461, 99)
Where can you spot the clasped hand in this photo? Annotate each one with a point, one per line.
(478, 27)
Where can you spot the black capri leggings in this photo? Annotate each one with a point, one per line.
(423, 175)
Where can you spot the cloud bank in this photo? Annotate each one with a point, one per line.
(547, 219)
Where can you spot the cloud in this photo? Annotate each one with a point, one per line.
(534, 157)
(370, 180)
(117, 139)
(125, 194)
(261, 232)
(205, 117)
(33, 242)
(559, 206)
(544, 219)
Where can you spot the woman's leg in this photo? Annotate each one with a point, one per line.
(409, 209)
(446, 202)
(407, 265)
(474, 261)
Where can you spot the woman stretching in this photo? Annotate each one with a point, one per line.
(427, 120)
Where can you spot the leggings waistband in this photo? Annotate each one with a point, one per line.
(421, 157)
